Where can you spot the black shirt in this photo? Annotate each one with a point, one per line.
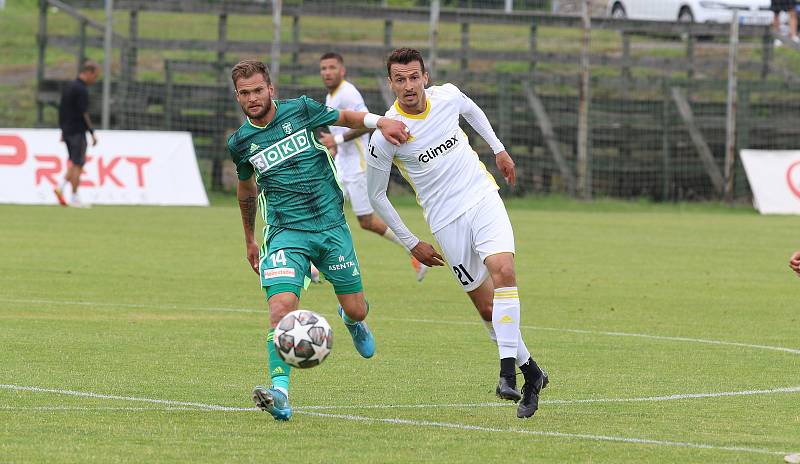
(74, 102)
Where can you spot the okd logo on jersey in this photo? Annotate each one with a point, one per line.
(440, 149)
(275, 154)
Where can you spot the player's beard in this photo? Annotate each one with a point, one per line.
(333, 85)
(260, 114)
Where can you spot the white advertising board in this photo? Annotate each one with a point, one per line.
(774, 177)
(124, 168)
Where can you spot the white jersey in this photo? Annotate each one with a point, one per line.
(437, 160)
(350, 155)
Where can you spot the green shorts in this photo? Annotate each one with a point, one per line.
(286, 253)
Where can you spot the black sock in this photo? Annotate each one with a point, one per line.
(508, 368)
(530, 370)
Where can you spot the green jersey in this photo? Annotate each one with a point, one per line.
(295, 174)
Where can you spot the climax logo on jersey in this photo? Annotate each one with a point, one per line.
(278, 152)
(441, 149)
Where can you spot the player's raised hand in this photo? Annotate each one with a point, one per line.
(506, 166)
(427, 254)
(326, 138)
(252, 256)
(395, 132)
(794, 262)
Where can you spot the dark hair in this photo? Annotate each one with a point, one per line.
(332, 55)
(89, 66)
(249, 68)
(404, 56)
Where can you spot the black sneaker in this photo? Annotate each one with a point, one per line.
(530, 396)
(507, 390)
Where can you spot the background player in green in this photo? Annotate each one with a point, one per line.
(283, 170)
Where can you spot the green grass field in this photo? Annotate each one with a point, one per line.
(135, 334)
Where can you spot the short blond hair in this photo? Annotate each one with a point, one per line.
(249, 68)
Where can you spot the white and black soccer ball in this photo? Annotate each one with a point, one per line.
(303, 338)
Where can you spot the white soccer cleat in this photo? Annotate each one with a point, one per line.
(793, 458)
(315, 274)
(77, 203)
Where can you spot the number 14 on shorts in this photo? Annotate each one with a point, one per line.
(279, 257)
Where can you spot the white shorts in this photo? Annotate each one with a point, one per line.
(355, 189)
(482, 231)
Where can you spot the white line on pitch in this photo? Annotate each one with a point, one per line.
(193, 406)
(427, 321)
(116, 397)
(579, 436)
(644, 399)
(683, 396)
(110, 408)
(613, 334)
(134, 306)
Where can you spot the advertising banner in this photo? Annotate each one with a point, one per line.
(124, 168)
(774, 177)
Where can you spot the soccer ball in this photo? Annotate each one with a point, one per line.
(303, 338)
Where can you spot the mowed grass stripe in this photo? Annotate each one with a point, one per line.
(111, 305)
(417, 423)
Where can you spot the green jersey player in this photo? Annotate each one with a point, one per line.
(284, 171)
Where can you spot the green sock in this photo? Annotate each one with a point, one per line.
(278, 369)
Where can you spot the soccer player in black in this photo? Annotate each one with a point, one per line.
(73, 119)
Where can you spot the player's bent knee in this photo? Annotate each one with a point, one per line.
(354, 305)
(282, 299)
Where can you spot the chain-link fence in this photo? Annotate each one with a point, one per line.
(651, 122)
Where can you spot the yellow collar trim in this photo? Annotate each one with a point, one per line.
(422, 115)
(337, 87)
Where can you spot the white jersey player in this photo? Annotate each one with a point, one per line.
(461, 204)
(349, 148)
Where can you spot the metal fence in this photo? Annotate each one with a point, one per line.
(587, 106)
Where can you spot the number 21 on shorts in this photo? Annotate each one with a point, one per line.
(462, 275)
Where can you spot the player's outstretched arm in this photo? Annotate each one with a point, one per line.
(377, 182)
(395, 132)
(332, 141)
(247, 193)
(478, 120)
(794, 262)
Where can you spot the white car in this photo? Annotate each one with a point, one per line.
(699, 11)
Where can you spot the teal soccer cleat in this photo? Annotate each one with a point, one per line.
(362, 337)
(273, 401)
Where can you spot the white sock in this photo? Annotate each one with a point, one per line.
(523, 355)
(390, 236)
(505, 320)
(63, 185)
